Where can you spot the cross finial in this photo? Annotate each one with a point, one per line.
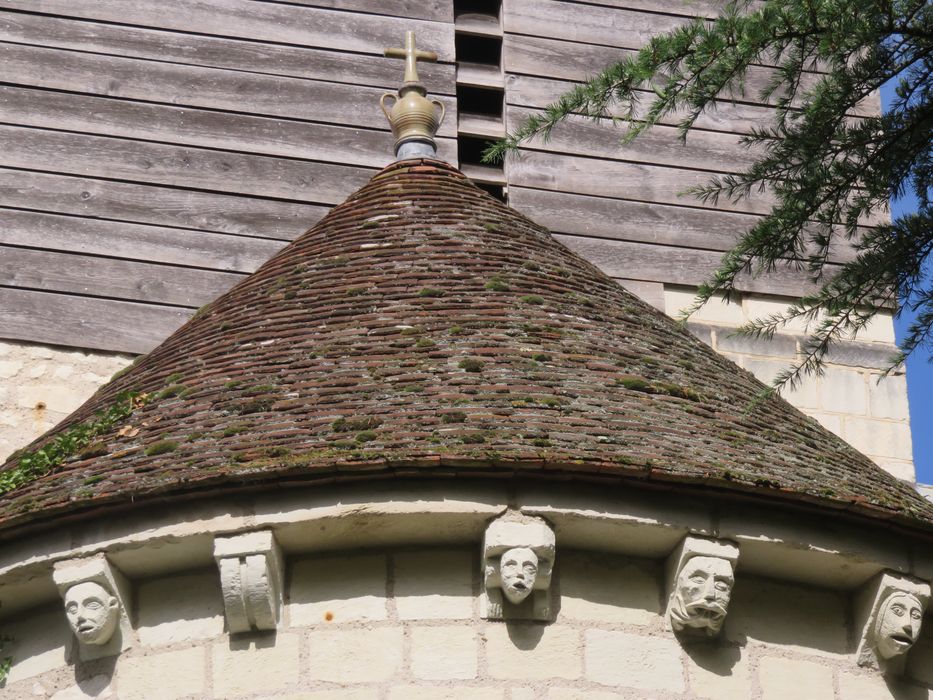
(411, 56)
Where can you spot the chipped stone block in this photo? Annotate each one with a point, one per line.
(518, 558)
(888, 613)
(700, 577)
(97, 604)
(251, 575)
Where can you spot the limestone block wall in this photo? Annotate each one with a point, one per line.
(40, 385)
(848, 399)
(404, 624)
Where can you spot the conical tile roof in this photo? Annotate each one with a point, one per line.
(425, 329)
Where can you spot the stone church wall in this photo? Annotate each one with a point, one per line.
(41, 385)
(849, 400)
(405, 624)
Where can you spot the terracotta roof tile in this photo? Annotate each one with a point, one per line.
(425, 329)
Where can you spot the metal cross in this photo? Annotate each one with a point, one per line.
(411, 56)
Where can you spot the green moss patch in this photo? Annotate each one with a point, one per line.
(471, 365)
(235, 429)
(352, 425)
(643, 385)
(161, 447)
(497, 284)
(170, 391)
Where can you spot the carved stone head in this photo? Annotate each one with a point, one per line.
(701, 594)
(898, 624)
(889, 610)
(518, 558)
(519, 570)
(93, 612)
(700, 577)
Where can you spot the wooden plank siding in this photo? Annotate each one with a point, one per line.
(198, 127)
(574, 60)
(215, 52)
(154, 153)
(272, 22)
(194, 86)
(728, 117)
(624, 206)
(161, 206)
(106, 277)
(119, 239)
(86, 322)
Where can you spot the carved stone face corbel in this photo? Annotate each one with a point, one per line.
(96, 597)
(889, 611)
(518, 558)
(251, 574)
(700, 577)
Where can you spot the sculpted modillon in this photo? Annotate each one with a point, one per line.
(891, 609)
(701, 594)
(96, 598)
(701, 574)
(518, 556)
(93, 612)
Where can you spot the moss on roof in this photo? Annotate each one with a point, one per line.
(457, 337)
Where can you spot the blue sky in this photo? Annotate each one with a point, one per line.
(919, 367)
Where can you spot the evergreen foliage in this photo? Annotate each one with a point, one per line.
(829, 170)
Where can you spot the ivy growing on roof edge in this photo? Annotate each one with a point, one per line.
(37, 463)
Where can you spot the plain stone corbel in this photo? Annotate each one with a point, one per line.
(527, 538)
(92, 578)
(251, 574)
(888, 612)
(700, 576)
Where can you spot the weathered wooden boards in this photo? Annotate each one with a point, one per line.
(273, 22)
(215, 52)
(152, 154)
(86, 322)
(626, 206)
